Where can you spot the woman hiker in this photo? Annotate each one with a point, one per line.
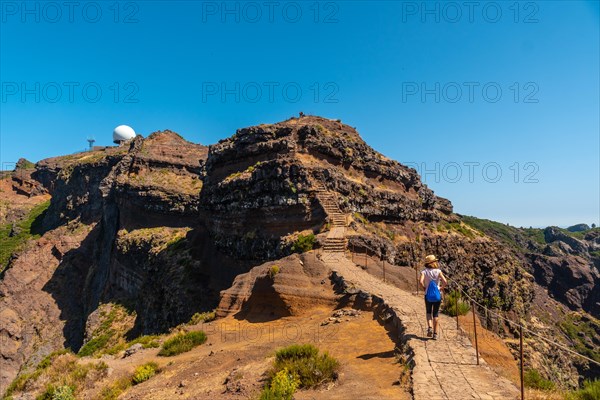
(431, 277)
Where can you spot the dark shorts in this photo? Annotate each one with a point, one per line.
(432, 308)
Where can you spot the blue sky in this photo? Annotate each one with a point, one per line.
(449, 90)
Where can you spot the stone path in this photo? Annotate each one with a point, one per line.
(443, 369)
(336, 238)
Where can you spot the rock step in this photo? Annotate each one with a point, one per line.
(334, 245)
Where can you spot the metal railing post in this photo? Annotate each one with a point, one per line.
(417, 278)
(521, 357)
(456, 307)
(475, 330)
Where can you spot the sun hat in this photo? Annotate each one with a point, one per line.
(430, 259)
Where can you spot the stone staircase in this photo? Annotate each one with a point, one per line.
(336, 241)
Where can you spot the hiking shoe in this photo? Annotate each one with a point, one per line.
(435, 336)
(429, 332)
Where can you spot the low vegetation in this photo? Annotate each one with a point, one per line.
(506, 233)
(141, 374)
(304, 243)
(589, 391)
(166, 180)
(144, 372)
(360, 218)
(247, 172)
(108, 337)
(181, 343)
(450, 306)
(579, 329)
(62, 377)
(21, 381)
(458, 227)
(534, 380)
(580, 234)
(282, 386)
(63, 392)
(12, 240)
(274, 270)
(299, 366)
(198, 318)
(113, 391)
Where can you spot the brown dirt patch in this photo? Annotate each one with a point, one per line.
(239, 352)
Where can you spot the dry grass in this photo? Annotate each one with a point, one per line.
(165, 179)
(493, 349)
(535, 394)
(158, 239)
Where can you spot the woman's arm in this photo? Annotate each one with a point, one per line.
(444, 281)
(421, 280)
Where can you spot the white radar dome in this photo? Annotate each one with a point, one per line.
(123, 133)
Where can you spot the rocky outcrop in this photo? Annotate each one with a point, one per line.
(570, 279)
(568, 243)
(260, 185)
(22, 181)
(37, 294)
(289, 286)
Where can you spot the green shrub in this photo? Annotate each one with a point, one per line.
(144, 372)
(113, 391)
(181, 343)
(590, 391)
(274, 270)
(202, 317)
(52, 392)
(147, 342)
(282, 387)
(305, 363)
(533, 379)
(63, 393)
(95, 345)
(449, 307)
(304, 243)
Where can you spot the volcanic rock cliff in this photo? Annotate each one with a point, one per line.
(260, 184)
(164, 226)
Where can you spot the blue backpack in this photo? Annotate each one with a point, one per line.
(433, 294)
